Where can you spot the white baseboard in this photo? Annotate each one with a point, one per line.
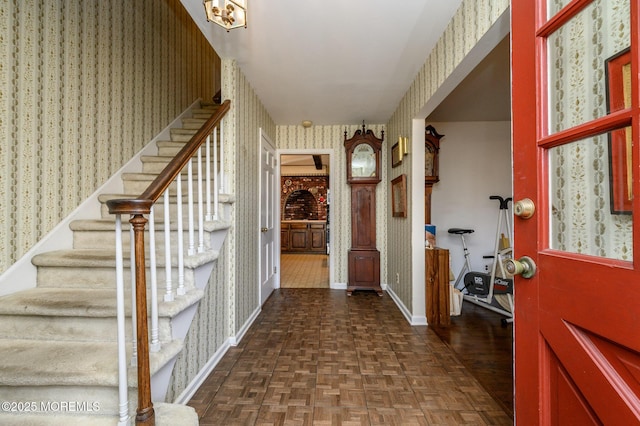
(243, 330)
(412, 319)
(202, 375)
(343, 286)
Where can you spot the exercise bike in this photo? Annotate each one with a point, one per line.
(481, 287)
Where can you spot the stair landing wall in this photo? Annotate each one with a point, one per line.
(63, 140)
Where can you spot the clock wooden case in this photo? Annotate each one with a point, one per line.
(431, 150)
(363, 175)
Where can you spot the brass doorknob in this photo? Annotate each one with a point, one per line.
(524, 208)
(525, 266)
(264, 229)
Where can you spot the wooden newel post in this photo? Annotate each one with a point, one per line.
(145, 414)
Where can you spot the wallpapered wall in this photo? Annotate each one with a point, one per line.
(332, 137)
(209, 330)
(83, 86)
(470, 22)
(248, 115)
(582, 221)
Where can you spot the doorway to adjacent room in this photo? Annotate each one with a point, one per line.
(304, 220)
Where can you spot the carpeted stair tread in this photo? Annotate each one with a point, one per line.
(140, 176)
(168, 158)
(80, 302)
(193, 123)
(77, 302)
(165, 415)
(183, 131)
(46, 419)
(103, 198)
(77, 257)
(168, 143)
(108, 225)
(106, 258)
(64, 363)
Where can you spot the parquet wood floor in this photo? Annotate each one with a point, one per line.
(319, 357)
(485, 348)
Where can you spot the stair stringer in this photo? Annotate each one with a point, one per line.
(22, 274)
(181, 323)
(163, 363)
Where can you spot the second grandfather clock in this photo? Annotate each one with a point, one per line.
(363, 175)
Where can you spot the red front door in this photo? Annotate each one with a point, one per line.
(576, 115)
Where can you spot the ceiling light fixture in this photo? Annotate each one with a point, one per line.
(229, 14)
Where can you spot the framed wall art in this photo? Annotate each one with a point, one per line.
(399, 196)
(396, 154)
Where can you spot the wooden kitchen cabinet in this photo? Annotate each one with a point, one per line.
(303, 236)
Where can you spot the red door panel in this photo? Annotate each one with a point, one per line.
(576, 116)
(566, 403)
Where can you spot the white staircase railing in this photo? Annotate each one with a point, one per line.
(209, 184)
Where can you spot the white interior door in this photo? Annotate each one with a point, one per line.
(268, 255)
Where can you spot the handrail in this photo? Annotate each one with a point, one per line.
(156, 188)
(137, 208)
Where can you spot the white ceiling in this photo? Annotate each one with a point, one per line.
(330, 61)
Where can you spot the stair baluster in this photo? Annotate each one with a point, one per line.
(137, 209)
(155, 341)
(192, 239)
(207, 159)
(168, 296)
(123, 391)
(180, 290)
(215, 173)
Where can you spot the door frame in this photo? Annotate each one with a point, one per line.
(500, 29)
(333, 198)
(262, 135)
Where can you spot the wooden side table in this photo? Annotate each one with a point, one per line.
(437, 283)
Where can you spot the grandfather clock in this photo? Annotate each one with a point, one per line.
(431, 150)
(363, 175)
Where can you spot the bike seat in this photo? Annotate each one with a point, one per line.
(460, 231)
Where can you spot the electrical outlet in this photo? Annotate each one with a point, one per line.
(397, 278)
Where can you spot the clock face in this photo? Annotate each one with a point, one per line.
(363, 161)
(428, 163)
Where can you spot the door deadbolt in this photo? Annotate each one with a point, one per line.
(525, 266)
(524, 208)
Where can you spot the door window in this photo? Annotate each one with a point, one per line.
(590, 172)
(584, 187)
(577, 56)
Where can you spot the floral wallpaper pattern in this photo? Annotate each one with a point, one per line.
(84, 86)
(470, 22)
(208, 333)
(81, 92)
(248, 116)
(582, 221)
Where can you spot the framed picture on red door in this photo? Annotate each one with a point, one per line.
(618, 73)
